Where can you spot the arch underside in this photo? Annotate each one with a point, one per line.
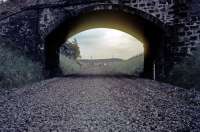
(142, 26)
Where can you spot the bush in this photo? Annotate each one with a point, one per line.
(69, 66)
(187, 73)
(16, 69)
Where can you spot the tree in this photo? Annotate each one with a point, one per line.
(70, 49)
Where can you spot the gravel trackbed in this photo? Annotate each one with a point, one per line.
(100, 104)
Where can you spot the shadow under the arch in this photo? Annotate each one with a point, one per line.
(100, 76)
(150, 33)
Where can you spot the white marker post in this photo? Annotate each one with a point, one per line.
(154, 71)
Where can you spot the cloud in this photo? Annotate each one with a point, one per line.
(104, 43)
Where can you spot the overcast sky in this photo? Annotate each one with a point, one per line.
(3, 1)
(102, 43)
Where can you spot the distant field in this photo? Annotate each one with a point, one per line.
(115, 66)
(132, 66)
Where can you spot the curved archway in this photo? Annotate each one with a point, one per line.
(146, 28)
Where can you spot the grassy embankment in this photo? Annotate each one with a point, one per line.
(186, 74)
(16, 69)
(132, 66)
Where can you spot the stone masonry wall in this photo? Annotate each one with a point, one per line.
(21, 30)
(24, 27)
(161, 9)
(187, 27)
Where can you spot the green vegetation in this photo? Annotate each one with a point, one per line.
(187, 73)
(16, 69)
(132, 66)
(69, 52)
(70, 49)
(69, 66)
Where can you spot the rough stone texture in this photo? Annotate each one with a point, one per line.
(159, 8)
(22, 31)
(28, 22)
(187, 25)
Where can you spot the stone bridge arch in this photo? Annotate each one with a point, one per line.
(28, 23)
(145, 27)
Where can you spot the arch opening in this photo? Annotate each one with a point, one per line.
(102, 51)
(147, 32)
